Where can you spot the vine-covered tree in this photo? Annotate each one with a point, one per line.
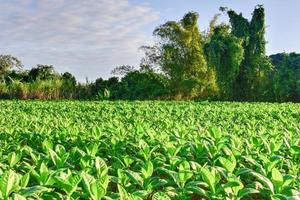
(182, 59)
(252, 81)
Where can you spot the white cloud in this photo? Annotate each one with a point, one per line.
(85, 37)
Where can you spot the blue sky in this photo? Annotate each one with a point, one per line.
(89, 38)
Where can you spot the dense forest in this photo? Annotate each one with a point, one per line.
(228, 62)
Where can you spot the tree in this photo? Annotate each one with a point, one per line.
(17, 75)
(68, 86)
(43, 72)
(122, 70)
(7, 63)
(100, 87)
(68, 77)
(151, 60)
(143, 85)
(286, 77)
(224, 52)
(252, 81)
(182, 59)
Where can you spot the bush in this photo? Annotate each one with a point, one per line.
(18, 90)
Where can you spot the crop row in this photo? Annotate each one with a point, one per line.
(149, 150)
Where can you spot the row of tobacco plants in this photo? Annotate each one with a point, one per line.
(149, 150)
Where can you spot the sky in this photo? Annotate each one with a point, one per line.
(91, 37)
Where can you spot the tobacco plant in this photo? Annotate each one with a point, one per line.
(149, 150)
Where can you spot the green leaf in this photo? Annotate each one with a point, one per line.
(229, 165)
(247, 191)
(123, 193)
(13, 158)
(54, 157)
(98, 190)
(95, 188)
(277, 178)
(101, 167)
(68, 182)
(160, 196)
(44, 176)
(88, 181)
(18, 197)
(135, 177)
(9, 183)
(275, 146)
(296, 149)
(25, 180)
(184, 173)
(281, 197)
(30, 191)
(197, 190)
(209, 178)
(147, 170)
(47, 145)
(264, 180)
(92, 149)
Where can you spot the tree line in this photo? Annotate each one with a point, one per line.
(227, 62)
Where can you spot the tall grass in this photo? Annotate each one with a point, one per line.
(43, 90)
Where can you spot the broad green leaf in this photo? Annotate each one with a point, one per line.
(277, 179)
(101, 167)
(184, 173)
(18, 197)
(24, 180)
(34, 190)
(13, 158)
(247, 191)
(135, 177)
(147, 170)
(92, 149)
(160, 196)
(264, 180)
(209, 178)
(88, 180)
(229, 165)
(9, 182)
(296, 149)
(123, 193)
(98, 190)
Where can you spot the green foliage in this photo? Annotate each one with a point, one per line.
(42, 72)
(149, 150)
(252, 81)
(286, 77)
(227, 62)
(138, 85)
(7, 63)
(68, 87)
(224, 53)
(182, 59)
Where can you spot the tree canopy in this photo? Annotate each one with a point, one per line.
(182, 58)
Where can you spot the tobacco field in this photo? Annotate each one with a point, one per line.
(149, 150)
